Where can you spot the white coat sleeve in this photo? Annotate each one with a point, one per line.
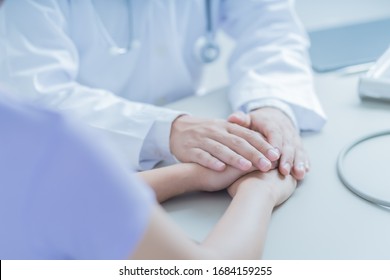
(41, 63)
(270, 60)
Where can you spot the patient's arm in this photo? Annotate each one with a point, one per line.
(239, 234)
(182, 178)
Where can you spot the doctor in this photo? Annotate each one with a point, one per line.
(113, 63)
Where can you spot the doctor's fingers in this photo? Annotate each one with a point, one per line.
(257, 140)
(205, 159)
(238, 152)
(274, 133)
(284, 138)
(301, 164)
(225, 154)
(286, 159)
(294, 160)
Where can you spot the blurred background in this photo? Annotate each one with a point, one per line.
(315, 14)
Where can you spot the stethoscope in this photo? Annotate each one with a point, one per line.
(206, 49)
(341, 170)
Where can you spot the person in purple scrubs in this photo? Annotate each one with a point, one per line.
(63, 196)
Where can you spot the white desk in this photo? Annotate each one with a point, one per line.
(322, 220)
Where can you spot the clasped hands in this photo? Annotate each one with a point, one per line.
(262, 140)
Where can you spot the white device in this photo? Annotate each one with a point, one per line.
(375, 84)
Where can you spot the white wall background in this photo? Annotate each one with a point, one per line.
(314, 14)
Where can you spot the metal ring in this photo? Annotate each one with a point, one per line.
(341, 170)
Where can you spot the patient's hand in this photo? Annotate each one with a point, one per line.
(177, 179)
(210, 180)
(279, 187)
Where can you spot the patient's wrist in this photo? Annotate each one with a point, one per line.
(253, 187)
(190, 172)
(256, 194)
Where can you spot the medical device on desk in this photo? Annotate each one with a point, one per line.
(375, 84)
(366, 187)
(206, 49)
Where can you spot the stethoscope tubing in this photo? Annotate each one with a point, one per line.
(341, 170)
(208, 51)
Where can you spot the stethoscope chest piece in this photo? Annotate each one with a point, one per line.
(118, 51)
(206, 47)
(206, 51)
(134, 45)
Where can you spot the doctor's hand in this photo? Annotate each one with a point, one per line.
(216, 143)
(280, 132)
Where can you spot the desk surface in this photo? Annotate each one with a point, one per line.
(323, 219)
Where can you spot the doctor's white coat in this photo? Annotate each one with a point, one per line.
(57, 53)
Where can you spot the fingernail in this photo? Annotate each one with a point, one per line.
(307, 165)
(287, 167)
(264, 164)
(273, 154)
(300, 166)
(219, 165)
(244, 164)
